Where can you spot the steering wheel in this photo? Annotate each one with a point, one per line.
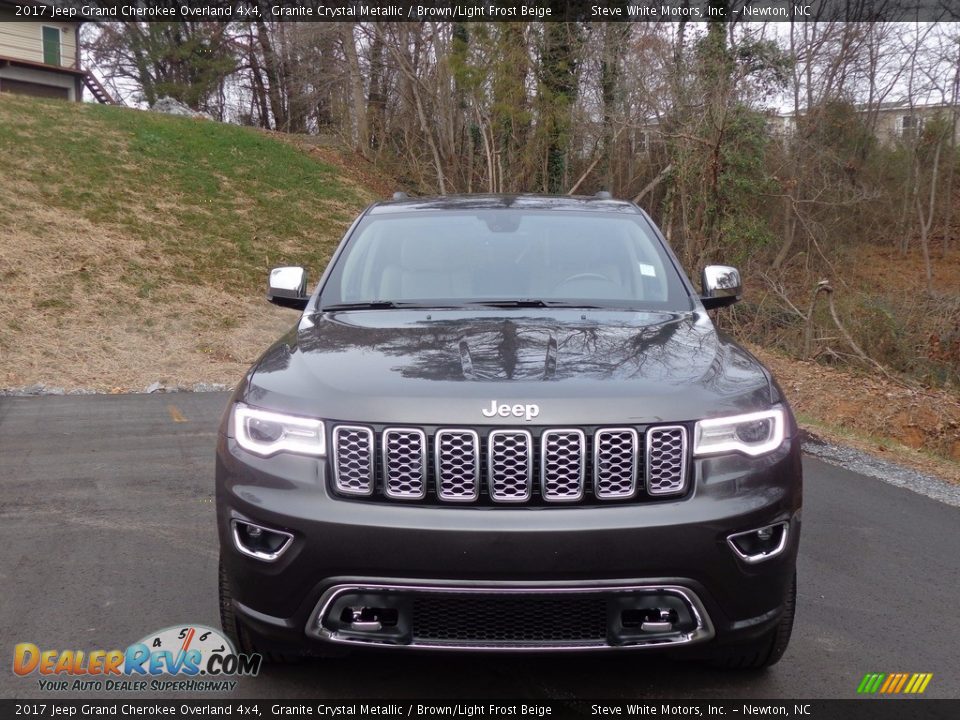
(583, 276)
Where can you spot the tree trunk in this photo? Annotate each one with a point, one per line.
(926, 223)
(408, 68)
(361, 138)
(558, 78)
(271, 68)
(789, 232)
(614, 39)
(509, 128)
(376, 97)
(952, 155)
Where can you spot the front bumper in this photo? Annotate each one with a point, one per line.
(680, 543)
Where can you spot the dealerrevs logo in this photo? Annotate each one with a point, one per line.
(185, 651)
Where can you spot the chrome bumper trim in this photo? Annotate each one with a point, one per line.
(704, 627)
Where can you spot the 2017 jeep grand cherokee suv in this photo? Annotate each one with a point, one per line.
(507, 422)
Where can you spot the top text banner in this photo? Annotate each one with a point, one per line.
(739, 11)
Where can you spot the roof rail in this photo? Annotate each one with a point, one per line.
(400, 195)
(603, 195)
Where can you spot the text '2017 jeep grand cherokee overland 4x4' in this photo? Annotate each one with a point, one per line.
(508, 423)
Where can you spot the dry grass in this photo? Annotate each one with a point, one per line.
(134, 247)
(920, 428)
(69, 319)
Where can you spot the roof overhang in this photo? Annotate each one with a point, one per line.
(17, 62)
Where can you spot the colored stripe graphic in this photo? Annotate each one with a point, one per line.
(894, 683)
(870, 683)
(903, 679)
(890, 683)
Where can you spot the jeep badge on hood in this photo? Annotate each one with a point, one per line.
(527, 412)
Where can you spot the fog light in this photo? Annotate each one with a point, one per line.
(369, 619)
(754, 546)
(260, 542)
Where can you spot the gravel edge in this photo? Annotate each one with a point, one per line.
(892, 473)
(157, 387)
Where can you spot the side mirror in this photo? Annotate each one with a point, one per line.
(721, 286)
(287, 287)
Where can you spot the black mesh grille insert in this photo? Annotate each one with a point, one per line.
(490, 619)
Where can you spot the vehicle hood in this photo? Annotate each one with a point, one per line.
(444, 366)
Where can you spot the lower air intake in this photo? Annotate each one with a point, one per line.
(490, 620)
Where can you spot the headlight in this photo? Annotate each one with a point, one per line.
(753, 434)
(266, 433)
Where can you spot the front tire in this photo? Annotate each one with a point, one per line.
(239, 635)
(767, 650)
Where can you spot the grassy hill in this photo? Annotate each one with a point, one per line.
(134, 246)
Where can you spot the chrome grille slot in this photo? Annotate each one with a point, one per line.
(404, 463)
(562, 465)
(615, 453)
(353, 459)
(457, 461)
(510, 465)
(666, 466)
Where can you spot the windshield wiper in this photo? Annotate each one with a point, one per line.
(368, 305)
(384, 305)
(519, 303)
(533, 303)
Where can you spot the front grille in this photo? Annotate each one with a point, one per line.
(519, 466)
(458, 465)
(353, 459)
(615, 463)
(511, 620)
(510, 465)
(404, 464)
(562, 465)
(667, 463)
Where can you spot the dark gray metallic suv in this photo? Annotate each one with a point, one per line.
(508, 423)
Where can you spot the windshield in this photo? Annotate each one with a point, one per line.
(453, 258)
